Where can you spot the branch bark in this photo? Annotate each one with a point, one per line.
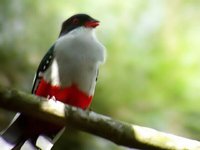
(119, 132)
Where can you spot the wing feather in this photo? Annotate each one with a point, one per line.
(43, 66)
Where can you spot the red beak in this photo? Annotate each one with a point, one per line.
(91, 24)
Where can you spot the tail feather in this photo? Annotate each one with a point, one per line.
(13, 136)
(16, 137)
(19, 144)
(15, 132)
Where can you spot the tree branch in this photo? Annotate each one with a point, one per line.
(121, 133)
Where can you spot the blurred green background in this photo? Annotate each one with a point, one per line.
(152, 74)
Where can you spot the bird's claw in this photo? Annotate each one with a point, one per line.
(51, 98)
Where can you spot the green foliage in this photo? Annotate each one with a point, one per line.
(152, 72)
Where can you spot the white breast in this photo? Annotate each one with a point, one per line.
(77, 58)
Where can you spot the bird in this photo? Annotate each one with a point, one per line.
(67, 73)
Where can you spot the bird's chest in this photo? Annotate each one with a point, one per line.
(74, 63)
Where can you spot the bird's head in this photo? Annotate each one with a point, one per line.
(76, 21)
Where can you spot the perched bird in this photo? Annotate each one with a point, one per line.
(67, 73)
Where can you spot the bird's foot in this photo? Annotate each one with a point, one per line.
(51, 98)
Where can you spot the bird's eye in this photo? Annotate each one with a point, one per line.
(75, 21)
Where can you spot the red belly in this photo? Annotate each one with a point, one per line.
(70, 95)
